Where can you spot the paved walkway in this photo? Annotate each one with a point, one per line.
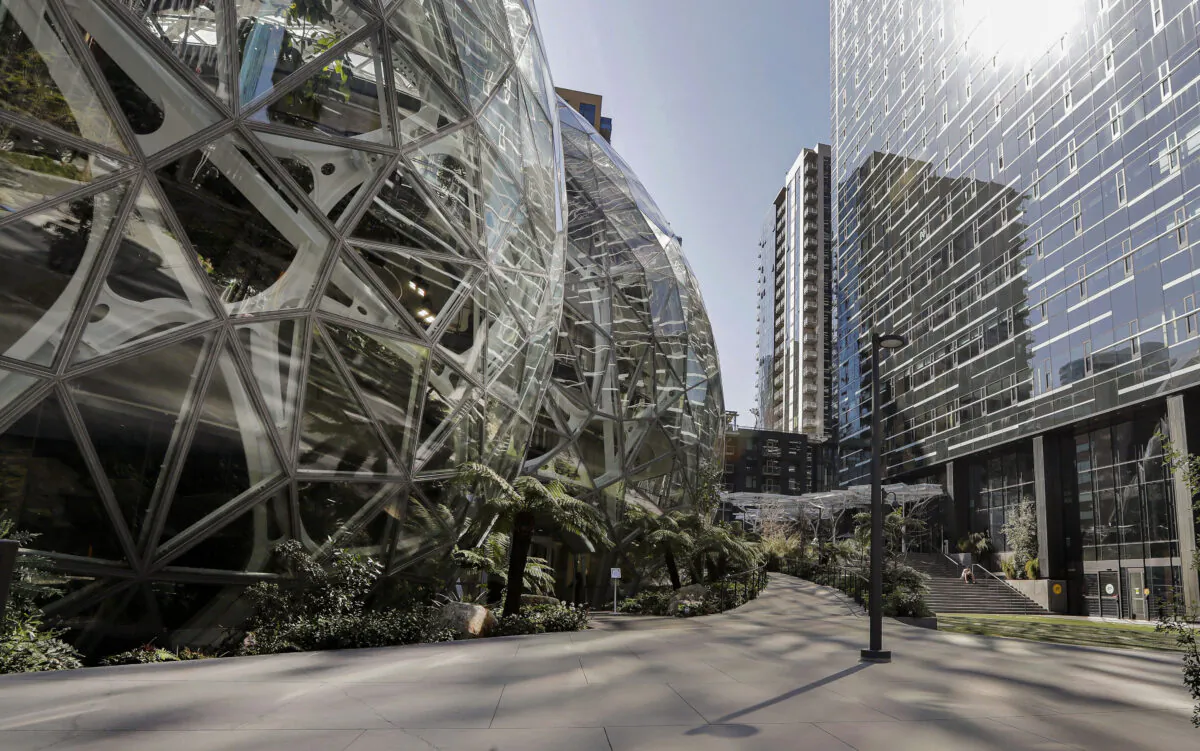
(779, 673)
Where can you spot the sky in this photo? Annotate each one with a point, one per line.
(711, 102)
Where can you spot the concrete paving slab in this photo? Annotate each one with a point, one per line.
(781, 672)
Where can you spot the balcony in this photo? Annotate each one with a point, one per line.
(810, 228)
(771, 469)
(810, 373)
(810, 167)
(810, 355)
(809, 339)
(810, 182)
(810, 243)
(810, 275)
(810, 389)
(810, 306)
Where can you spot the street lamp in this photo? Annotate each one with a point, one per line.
(876, 653)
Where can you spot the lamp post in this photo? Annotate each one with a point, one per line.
(876, 653)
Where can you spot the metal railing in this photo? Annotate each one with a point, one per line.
(851, 581)
(733, 590)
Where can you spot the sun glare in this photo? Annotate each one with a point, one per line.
(1020, 28)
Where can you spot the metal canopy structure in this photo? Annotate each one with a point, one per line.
(832, 501)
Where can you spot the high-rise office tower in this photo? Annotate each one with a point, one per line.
(1015, 185)
(795, 303)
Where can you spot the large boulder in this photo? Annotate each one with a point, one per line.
(468, 620)
(690, 592)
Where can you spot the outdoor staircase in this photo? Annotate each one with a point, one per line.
(949, 594)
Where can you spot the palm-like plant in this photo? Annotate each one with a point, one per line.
(517, 508)
(664, 534)
(491, 558)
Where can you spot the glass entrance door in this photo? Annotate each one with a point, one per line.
(1137, 594)
(1110, 594)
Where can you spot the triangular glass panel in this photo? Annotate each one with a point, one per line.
(13, 386)
(230, 451)
(275, 40)
(474, 189)
(243, 543)
(505, 437)
(346, 514)
(49, 258)
(535, 72)
(262, 250)
(422, 26)
(343, 98)
(501, 122)
(131, 410)
(541, 169)
(483, 57)
(46, 488)
(336, 435)
(152, 287)
(44, 80)
(350, 294)
(427, 287)
(35, 168)
(333, 177)
(568, 468)
(456, 440)
(161, 109)
(400, 214)
(194, 33)
(388, 373)
(434, 522)
(518, 21)
(446, 390)
(274, 349)
(492, 15)
(518, 247)
(423, 106)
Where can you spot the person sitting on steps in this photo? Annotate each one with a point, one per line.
(967, 576)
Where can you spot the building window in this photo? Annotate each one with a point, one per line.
(968, 90)
(1189, 310)
(751, 483)
(1028, 78)
(1087, 357)
(1164, 80)
(1156, 10)
(1000, 156)
(996, 104)
(1121, 187)
(1077, 210)
(1047, 376)
(1031, 122)
(1172, 152)
(1127, 256)
(1042, 305)
(1114, 120)
(1081, 278)
(1110, 63)
(588, 110)
(971, 135)
(945, 113)
(1135, 345)
(793, 486)
(1072, 156)
(1066, 94)
(1037, 185)
(1181, 236)
(1038, 248)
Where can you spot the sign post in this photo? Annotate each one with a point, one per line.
(616, 577)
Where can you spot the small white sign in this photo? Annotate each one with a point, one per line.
(616, 573)
(1109, 589)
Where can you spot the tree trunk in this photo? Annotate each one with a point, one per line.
(672, 569)
(518, 554)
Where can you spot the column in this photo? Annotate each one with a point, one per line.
(1177, 427)
(958, 519)
(1047, 496)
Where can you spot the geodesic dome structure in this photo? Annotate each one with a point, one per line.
(270, 268)
(635, 403)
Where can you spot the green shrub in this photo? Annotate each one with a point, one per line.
(143, 655)
(1032, 569)
(323, 607)
(905, 603)
(27, 644)
(42, 164)
(1009, 568)
(648, 602)
(690, 607)
(542, 619)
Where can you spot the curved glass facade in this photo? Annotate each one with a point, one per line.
(270, 270)
(1017, 184)
(635, 402)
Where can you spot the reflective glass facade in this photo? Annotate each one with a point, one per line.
(1016, 185)
(635, 402)
(273, 270)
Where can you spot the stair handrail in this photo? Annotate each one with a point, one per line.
(1025, 601)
